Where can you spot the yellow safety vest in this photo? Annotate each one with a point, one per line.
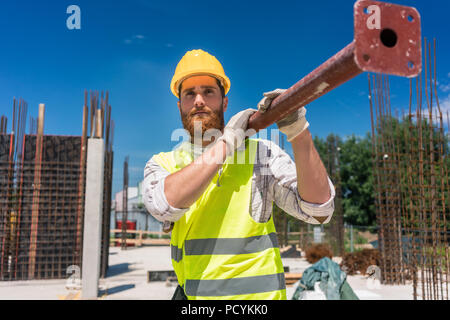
(218, 251)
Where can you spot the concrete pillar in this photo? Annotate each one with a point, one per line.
(93, 218)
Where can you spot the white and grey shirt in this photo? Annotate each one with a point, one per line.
(274, 179)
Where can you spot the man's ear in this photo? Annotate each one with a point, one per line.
(179, 106)
(225, 104)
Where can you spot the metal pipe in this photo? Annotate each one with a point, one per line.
(393, 48)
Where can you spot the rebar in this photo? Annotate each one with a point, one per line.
(411, 169)
(42, 188)
(124, 208)
(334, 230)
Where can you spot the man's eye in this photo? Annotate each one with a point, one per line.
(208, 91)
(190, 93)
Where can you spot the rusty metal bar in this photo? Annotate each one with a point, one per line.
(124, 205)
(107, 193)
(98, 125)
(17, 207)
(37, 182)
(3, 125)
(92, 114)
(393, 48)
(102, 117)
(81, 182)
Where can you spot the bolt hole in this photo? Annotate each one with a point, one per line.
(410, 18)
(388, 37)
(366, 57)
(366, 10)
(411, 65)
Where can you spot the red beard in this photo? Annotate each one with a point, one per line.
(209, 120)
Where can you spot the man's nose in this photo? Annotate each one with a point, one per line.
(199, 101)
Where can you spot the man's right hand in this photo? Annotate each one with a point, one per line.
(234, 132)
(185, 186)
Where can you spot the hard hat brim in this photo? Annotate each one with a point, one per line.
(175, 86)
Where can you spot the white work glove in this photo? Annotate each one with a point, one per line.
(291, 125)
(234, 132)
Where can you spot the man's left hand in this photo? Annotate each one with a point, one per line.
(291, 125)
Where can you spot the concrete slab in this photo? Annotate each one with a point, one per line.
(367, 291)
(127, 280)
(32, 290)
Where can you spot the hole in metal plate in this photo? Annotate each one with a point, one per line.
(388, 37)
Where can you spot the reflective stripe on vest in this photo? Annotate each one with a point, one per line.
(176, 253)
(230, 245)
(235, 286)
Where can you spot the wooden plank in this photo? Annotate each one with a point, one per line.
(291, 278)
(156, 241)
(295, 276)
(137, 242)
(138, 231)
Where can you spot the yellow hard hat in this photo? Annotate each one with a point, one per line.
(198, 62)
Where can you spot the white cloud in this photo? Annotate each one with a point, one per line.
(445, 105)
(444, 88)
(137, 38)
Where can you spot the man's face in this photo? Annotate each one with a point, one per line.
(201, 100)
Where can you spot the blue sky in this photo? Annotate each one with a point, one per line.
(131, 49)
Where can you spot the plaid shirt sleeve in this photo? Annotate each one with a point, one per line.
(154, 197)
(276, 180)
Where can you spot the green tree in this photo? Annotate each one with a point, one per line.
(357, 180)
(355, 167)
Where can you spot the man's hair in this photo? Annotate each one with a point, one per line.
(222, 89)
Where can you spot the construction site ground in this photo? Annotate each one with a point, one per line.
(127, 280)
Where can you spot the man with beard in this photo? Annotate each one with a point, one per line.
(223, 240)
